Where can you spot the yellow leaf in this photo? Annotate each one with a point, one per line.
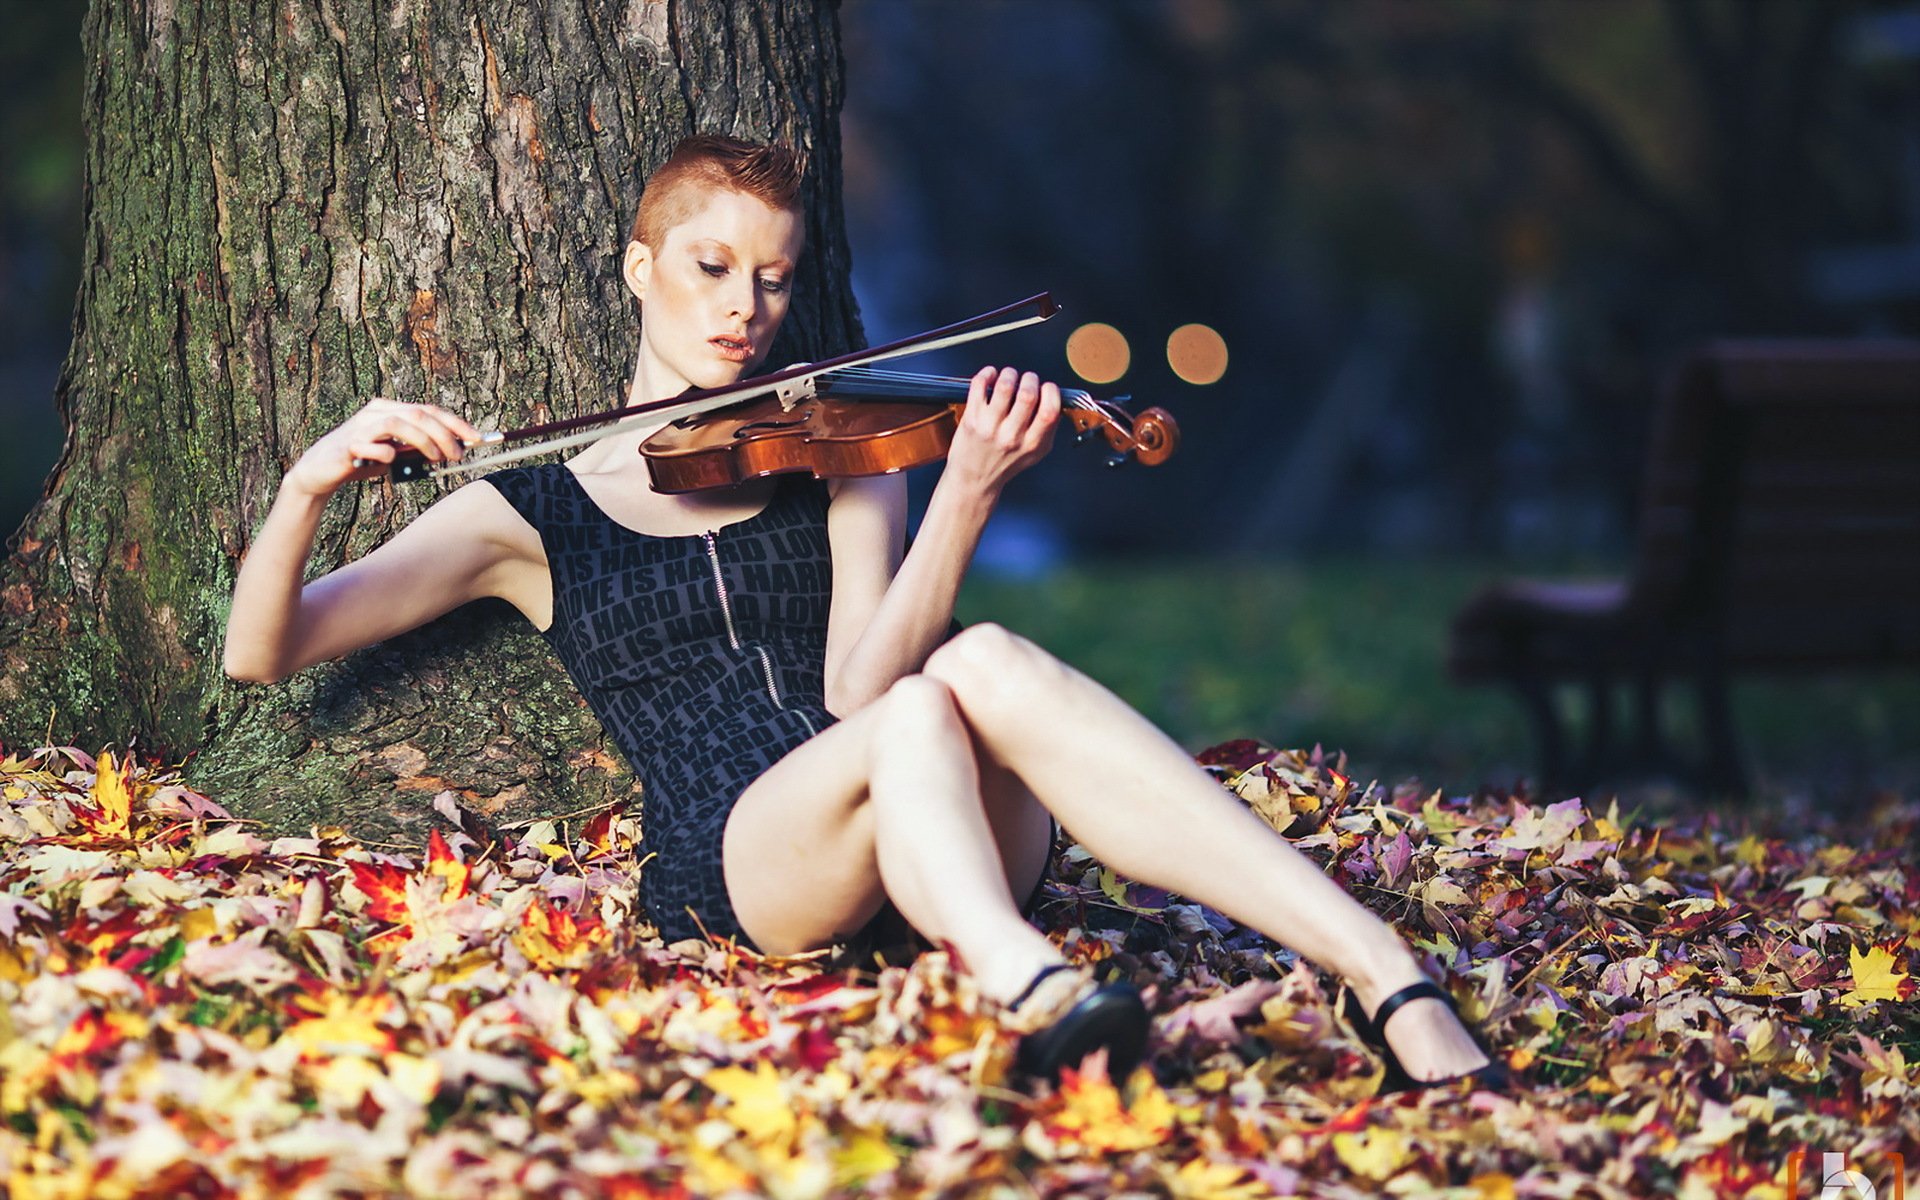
(757, 1104)
(111, 796)
(418, 1079)
(1442, 890)
(342, 1082)
(1198, 1179)
(349, 1027)
(714, 1173)
(1495, 1186)
(602, 1088)
(1439, 822)
(199, 923)
(1876, 976)
(1375, 1154)
(862, 1155)
(950, 1031)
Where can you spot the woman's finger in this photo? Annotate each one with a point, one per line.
(977, 386)
(1019, 418)
(979, 416)
(429, 437)
(456, 424)
(1003, 387)
(1045, 420)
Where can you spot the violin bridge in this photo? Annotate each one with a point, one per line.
(791, 394)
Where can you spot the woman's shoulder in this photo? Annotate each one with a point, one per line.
(537, 493)
(505, 507)
(513, 482)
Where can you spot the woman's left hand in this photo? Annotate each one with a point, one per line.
(1007, 427)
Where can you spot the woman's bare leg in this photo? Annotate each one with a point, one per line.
(890, 804)
(804, 845)
(1138, 802)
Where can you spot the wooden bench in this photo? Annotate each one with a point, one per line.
(1779, 532)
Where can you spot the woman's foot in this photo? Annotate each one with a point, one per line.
(1063, 1015)
(1424, 1033)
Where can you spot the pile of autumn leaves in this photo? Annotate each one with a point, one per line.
(189, 1010)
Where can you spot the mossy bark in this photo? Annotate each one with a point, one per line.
(291, 208)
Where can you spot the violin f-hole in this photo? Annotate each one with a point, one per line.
(752, 427)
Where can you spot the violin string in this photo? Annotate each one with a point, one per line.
(1072, 397)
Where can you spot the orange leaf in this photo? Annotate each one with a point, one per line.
(553, 940)
(442, 862)
(385, 887)
(1093, 1115)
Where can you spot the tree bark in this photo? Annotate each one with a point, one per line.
(293, 207)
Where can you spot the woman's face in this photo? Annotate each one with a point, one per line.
(715, 292)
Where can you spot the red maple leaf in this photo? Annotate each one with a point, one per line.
(599, 834)
(385, 887)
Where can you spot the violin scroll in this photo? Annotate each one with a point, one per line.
(1150, 436)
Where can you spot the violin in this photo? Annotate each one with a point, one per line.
(860, 421)
(835, 418)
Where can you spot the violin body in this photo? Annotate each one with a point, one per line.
(829, 439)
(856, 425)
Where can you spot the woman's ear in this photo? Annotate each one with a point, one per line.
(637, 269)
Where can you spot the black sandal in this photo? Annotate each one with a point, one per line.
(1491, 1078)
(1111, 1016)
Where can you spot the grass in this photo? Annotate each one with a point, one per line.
(1350, 654)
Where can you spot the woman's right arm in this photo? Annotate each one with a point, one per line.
(456, 551)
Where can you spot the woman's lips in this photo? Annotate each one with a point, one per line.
(731, 348)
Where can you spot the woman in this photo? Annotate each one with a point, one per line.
(777, 668)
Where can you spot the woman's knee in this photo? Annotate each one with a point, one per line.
(915, 706)
(990, 659)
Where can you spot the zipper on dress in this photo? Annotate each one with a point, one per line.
(733, 637)
(720, 585)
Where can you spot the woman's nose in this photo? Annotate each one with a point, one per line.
(742, 300)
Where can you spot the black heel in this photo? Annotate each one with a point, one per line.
(1112, 1016)
(1492, 1078)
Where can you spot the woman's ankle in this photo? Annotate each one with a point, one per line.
(1379, 974)
(1006, 972)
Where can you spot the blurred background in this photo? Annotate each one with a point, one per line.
(1409, 274)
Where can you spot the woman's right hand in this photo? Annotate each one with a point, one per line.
(374, 435)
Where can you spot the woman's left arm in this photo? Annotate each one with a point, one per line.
(890, 611)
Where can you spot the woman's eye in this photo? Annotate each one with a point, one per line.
(776, 286)
(714, 269)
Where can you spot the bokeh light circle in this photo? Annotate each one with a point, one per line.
(1197, 354)
(1098, 353)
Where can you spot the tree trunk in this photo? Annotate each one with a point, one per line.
(291, 208)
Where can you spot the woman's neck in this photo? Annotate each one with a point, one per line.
(622, 450)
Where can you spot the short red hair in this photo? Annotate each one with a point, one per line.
(769, 173)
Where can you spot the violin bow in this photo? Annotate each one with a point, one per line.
(791, 384)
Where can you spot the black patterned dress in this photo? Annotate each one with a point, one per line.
(703, 656)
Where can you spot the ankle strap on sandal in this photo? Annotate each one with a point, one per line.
(1040, 977)
(1413, 991)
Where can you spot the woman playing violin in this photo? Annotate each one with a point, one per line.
(777, 666)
